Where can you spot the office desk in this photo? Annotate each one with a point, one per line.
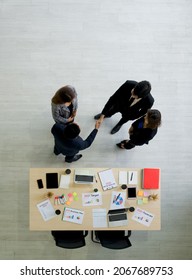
(37, 195)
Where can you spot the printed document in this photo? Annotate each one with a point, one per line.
(99, 218)
(107, 179)
(46, 209)
(143, 217)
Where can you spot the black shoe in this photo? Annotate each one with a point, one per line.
(96, 117)
(75, 158)
(119, 145)
(56, 152)
(116, 129)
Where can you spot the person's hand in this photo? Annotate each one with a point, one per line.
(101, 118)
(97, 124)
(74, 114)
(70, 119)
(123, 144)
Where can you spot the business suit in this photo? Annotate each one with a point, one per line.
(139, 135)
(121, 101)
(70, 147)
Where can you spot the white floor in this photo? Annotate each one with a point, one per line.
(95, 46)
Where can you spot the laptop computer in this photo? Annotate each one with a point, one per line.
(83, 176)
(117, 217)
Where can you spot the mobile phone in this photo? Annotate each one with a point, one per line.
(40, 183)
(131, 192)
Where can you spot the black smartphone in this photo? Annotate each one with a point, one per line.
(40, 183)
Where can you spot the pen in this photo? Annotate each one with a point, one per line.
(116, 198)
(95, 179)
(131, 176)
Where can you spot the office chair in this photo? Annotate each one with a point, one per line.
(70, 239)
(112, 239)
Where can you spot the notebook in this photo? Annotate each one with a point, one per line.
(117, 217)
(107, 179)
(151, 178)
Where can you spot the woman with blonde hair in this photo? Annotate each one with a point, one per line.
(142, 130)
(64, 105)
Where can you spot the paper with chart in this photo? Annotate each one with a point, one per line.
(99, 218)
(46, 209)
(91, 199)
(143, 217)
(107, 179)
(117, 200)
(73, 215)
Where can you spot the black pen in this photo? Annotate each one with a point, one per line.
(117, 197)
(131, 176)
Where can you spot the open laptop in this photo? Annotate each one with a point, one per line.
(117, 217)
(83, 176)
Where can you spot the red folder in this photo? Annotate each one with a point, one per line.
(151, 178)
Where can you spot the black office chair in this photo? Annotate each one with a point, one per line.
(70, 239)
(112, 239)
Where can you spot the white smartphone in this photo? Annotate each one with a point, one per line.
(131, 192)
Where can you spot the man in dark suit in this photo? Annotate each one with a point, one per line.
(142, 130)
(69, 143)
(132, 100)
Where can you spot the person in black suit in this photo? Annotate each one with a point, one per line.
(69, 143)
(142, 130)
(132, 100)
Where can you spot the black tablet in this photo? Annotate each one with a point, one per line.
(52, 180)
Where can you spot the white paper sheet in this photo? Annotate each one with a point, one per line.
(143, 217)
(117, 200)
(46, 209)
(64, 181)
(123, 177)
(90, 199)
(99, 218)
(73, 215)
(132, 178)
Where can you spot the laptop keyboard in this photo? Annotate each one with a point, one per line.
(113, 218)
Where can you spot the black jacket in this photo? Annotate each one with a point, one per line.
(121, 99)
(141, 136)
(70, 147)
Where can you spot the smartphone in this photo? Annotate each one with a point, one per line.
(131, 192)
(40, 183)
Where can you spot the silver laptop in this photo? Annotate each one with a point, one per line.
(117, 217)
(83, 176)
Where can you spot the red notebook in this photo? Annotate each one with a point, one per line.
(151, 178)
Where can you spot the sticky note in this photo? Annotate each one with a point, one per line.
(146, 194)
(68, 202)
(145, 199)
(140, 193)
(74, 194)
(76, 198)
(70, 195)
(139, 201)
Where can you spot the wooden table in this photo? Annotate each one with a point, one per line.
(37, 195)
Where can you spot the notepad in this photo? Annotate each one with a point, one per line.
(64, 181)
(151, 178)
(107, 179)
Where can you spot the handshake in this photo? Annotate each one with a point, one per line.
(99, 122)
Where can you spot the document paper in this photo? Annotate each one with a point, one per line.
(73, 215)
(143, 217)
(46, 209)
(107, 179)
(64, 181)
(99, 218)
(90, 199)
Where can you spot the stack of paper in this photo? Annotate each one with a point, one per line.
(107, 179)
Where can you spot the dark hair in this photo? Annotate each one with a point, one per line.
(153, 118)
(63, 95)
(142, 89)
(71, 131)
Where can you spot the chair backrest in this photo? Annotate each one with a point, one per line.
(114, 239)
(70, 239)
